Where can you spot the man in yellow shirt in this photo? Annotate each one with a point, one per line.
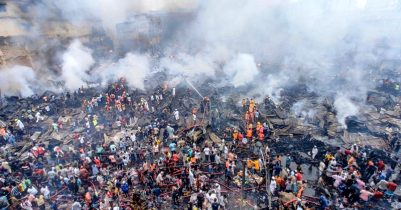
(256, 165)
(249, 164)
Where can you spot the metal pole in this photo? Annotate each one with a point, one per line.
(267, 165)
(268, 181)
(242, 185)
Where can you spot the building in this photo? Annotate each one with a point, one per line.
(30, 33)
(147, 32)
(175, 23)
(141, 33)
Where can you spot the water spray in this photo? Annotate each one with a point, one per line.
(193, 88)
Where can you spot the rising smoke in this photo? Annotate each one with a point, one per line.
(308, 40)
(18, 81)
(77, 60)
(135, 68)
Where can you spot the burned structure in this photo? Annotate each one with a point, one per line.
(142, 34)
(29, 35)
(150, 32)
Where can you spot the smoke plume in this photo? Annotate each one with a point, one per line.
(17, 80)
(77, 60)
(345, 107)
(242, 70)
(135, 68)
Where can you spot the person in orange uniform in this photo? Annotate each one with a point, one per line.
(251, 107)
(261, 136)
(194, 111)
(252, 117)
(258, 127)
(247, 117)
(249, 131)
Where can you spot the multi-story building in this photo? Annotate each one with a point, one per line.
(141, 33)
(28, 34)
(147, 32)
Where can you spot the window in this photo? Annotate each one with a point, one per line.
(2, 7)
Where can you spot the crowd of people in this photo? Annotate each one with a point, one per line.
(136, 152)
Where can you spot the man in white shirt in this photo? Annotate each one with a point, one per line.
(211, 196)
(32, 190)
(45, 191)
(207, 153)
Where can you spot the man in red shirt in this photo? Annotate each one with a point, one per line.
(380, 166)
(75, 135)
(299, 176)
(391, 186)
(97, 162)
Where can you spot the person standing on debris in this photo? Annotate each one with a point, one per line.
(10, 138)
(170, 131)
(256, 116)
(248, 103)
(173, 93)
(314, 152)
(176, 115)
(288, 161)
(243, 105)
(194, 118)
(38, 117)
(249, 131)
(188, 92)
(382, 112)
(247, 117)
(55, 127)
(19, 124)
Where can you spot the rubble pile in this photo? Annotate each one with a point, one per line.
(148, 127)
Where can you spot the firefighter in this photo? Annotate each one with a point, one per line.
(235, 135)
(247, 117)
(261, 136)
(249, 131)
(258, 126)
(252, 117)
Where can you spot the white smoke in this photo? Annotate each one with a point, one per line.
(135, 68)
(242, 69)
(345, 107)
(77, 60)
(17, 80)
(189, 66)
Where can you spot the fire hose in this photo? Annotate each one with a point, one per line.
(196, 125)
(58, 192)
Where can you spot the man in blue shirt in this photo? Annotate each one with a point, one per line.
(156, 191)
(172, 147)
(288, 161)
(323, 202)
(215, 205)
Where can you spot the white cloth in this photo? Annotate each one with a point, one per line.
(20, 124)
(273, 186)
(207, 151)
(176, 115)
(314, 152)
(32, 190)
